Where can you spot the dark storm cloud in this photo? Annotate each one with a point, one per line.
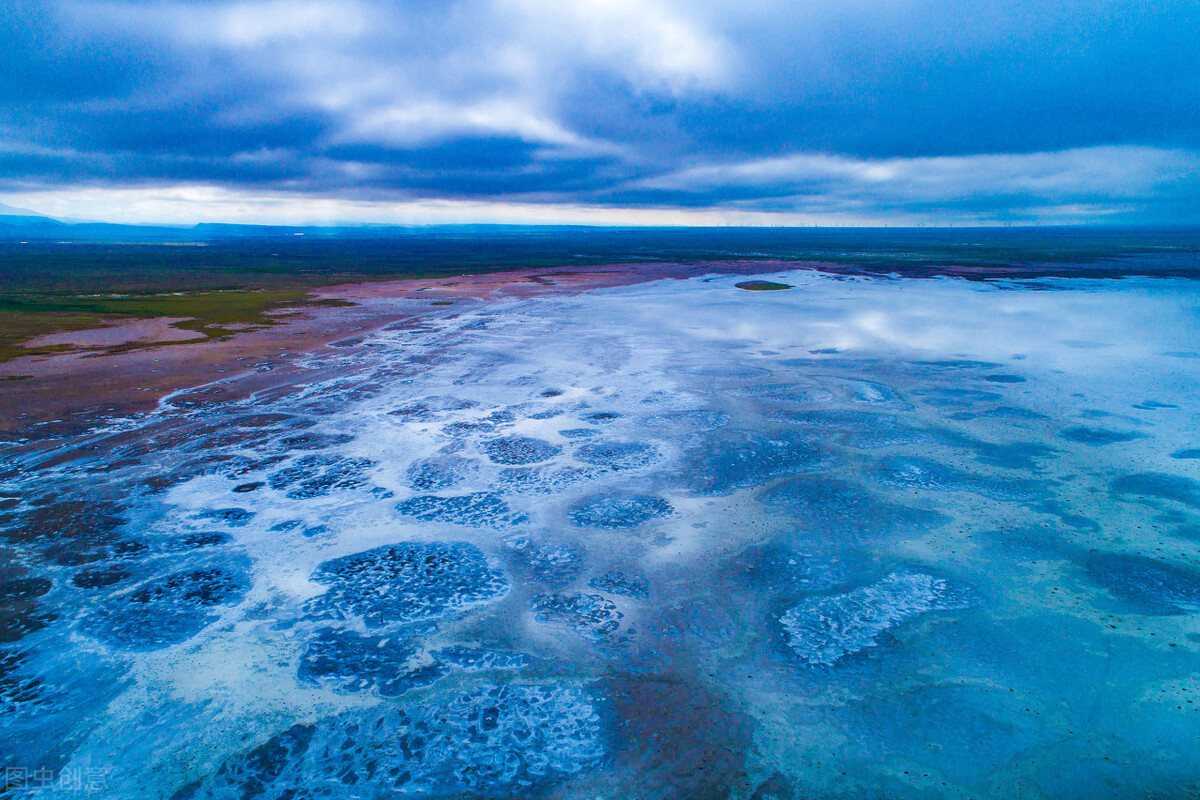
(903, 107)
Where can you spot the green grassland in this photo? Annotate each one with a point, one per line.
(24, 316)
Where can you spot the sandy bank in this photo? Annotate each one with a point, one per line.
(78, 386)
(147, 331)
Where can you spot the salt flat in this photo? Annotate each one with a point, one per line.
(862, 537)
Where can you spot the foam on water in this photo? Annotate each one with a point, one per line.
(525, 548)
(822, 630)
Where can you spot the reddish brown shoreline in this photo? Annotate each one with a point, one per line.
(79, 385)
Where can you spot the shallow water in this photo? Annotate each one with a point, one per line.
(859, 538)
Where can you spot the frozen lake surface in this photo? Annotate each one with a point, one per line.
(860, 538)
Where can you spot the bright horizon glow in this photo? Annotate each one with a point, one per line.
(189, 205)
(1071, 187)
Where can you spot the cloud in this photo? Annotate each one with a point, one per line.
(186, 204)
(415, 123)
(887, 108)
(647, 42)
(251, 25)
(1112, 174)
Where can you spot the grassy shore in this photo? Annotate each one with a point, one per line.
(213, 314)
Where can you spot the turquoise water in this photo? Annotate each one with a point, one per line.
(859, 538)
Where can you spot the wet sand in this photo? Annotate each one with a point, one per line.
(142, 331)
(67, 391)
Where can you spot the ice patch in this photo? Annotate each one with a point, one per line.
(927, 475)
(167, 610)
(617, 455)
(515, 450)
(745, 458)
(350, 662)
(440, 472)
(478, 508)
(317, 475)
(823, 630)
(619, 510)
(590, 615)
(406, 582)
(489, 740)
(622, 584)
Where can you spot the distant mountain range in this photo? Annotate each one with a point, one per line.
(23, 224)
(22, 217)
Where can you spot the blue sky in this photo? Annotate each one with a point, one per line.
(617, 111)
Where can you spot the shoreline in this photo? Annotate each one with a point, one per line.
(42, 396)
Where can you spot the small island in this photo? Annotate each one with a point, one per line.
(763, 286)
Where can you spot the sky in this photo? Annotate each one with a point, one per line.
(658, 112)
